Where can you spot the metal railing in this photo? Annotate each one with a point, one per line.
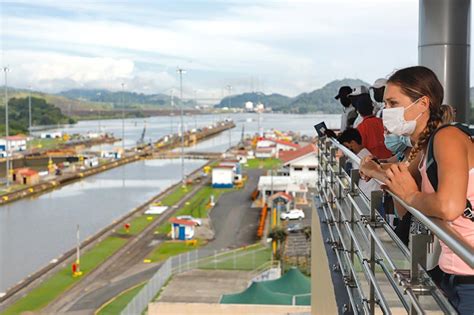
(238, 259)
(379, 271)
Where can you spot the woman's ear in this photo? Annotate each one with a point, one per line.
(425, 102)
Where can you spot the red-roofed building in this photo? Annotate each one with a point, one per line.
(25, 176)
(284, 146)
(182, 229)
(302, 164)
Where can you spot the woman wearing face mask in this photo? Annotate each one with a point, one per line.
(413, 108)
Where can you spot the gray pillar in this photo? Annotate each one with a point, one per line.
(444, 47)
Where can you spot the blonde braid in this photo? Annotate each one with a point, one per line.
(433, 123)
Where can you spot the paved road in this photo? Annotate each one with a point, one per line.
(234, 222)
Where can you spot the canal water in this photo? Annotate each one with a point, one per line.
(35, 231)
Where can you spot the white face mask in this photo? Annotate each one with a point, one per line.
(394, 120)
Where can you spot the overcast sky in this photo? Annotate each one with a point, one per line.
(285, 47)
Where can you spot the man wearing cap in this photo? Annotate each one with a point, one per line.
(354, 96)
(349, 113)
(378, 88)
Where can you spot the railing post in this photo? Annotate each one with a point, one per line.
(355, 176)
(375, 204)
(418, 250)
(188, 259)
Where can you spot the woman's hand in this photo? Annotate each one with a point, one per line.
(400, 182)
(368, 167)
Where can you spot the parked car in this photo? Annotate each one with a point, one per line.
(190, 218)
(294, 228)
(294, 214)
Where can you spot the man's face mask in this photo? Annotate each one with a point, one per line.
(378, 94)
(345, 101)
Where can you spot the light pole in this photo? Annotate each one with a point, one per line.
(29, 110)
(7, 146)
(172, 111)
(180, 72)
(98, 110)
(229, 87)
(195, 114)
(123, 121)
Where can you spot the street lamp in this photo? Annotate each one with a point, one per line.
(181, 71)
(172, 111)
(7, 147)
(123, 120)
(229, 88)
(29, 109)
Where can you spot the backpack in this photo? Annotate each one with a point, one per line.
(432, 166)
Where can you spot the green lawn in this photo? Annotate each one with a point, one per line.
(120, 302)
(263, 163)
(171, 248)
(176, 195)
(196, 206)
(138, 224)
(246, 259)
(54, 286)
(44, 143)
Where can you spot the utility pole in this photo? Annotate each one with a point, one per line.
(7, 145)
(229, 87)
(180, 71)
(172, 111)
(123, 121)
(195, 108)
(29, 110)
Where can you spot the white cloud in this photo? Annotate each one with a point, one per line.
(292, 46)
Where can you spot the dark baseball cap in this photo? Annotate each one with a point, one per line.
(343, 91)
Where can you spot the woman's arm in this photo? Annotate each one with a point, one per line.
(451, 148)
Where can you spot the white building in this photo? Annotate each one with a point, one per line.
(51, 135)
(249, 106)
(302, 165)
(15, 143)
(269, 185)
(223, 176)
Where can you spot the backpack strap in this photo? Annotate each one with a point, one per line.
(432, 166)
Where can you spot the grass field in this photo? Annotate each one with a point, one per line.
(245, 259)
(197, 206)
(171, 248)
(263, 163)
(138, 224)
(176, 195)
(54, 286)
(44, 143)
(118, 304)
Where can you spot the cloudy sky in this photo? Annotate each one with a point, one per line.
(286, 47)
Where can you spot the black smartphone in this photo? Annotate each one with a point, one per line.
(321, 129)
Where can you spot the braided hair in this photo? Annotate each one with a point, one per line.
(416, 82)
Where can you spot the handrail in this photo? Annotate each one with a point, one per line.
(440, 228)
(355, 229)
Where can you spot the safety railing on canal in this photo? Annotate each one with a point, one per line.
(251, 259)
(378, 270)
